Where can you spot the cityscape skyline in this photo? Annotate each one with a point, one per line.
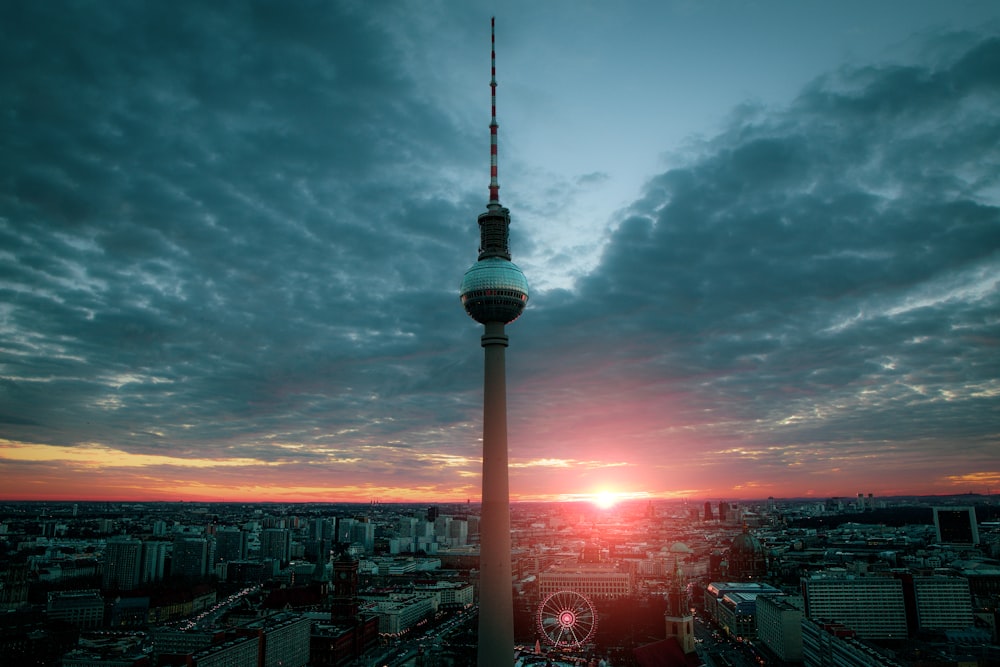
(763, 246)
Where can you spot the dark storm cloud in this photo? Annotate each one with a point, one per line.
(235, 231)
(218, 215)
(823, 274)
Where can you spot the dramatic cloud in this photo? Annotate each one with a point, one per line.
(232, 234)
(817, 291)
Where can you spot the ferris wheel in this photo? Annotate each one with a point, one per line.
(567, 619)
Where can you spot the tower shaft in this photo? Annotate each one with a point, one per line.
(496, 607)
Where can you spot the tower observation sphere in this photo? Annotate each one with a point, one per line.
(494, 290)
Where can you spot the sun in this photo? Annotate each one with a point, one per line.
(605, 499)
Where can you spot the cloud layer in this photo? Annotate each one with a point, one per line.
(231, 240)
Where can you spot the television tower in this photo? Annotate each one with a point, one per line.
(494, 293)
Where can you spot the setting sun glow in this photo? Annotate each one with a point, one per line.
(605, 499)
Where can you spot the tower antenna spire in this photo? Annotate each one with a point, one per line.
(494, 183)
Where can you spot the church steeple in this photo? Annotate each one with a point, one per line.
(679, 619)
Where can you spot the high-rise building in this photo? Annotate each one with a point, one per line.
(320, 529)
(441, 526)
(363, 533)
(956, 525)
(344, 525)
(873, 606)
(230, 544)
(190, 557)
(122, 564)
(779, 627)
(276, 544)
(494, 293)
(943, 603)
(154, 558)
(408, 526)
(458, 532)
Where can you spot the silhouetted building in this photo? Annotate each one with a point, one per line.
(82, 609)
(344, 589)
(276, 543)
(154, 558)
(779, 627)
(190, 557)
(283, 639)
(14, 587)
(746, 558)
(956, 525)
(230, 544)
(943, 603)
(122, 568)
(679, 618)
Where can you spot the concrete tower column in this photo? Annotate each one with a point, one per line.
(496, 609)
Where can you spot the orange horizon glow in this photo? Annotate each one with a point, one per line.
(366, 495)
(94, 472)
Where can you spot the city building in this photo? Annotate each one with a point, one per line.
(83, 609)
(943, 603)
(746, 558)
(275, 544)
(871, 606)
(593, 581)
(230, 544)
(284, 639)
(494, 293)
(190, 557)
(779, 627)
(398, 612)
(154, 558)
(363, 534)
(122, 564)
(237, 652)
(956, 526)
(835, 645)
(448, 593)
(733, 614)
(172, 641)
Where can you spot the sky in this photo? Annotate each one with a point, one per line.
(762, 239)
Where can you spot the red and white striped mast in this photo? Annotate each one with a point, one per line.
(494, 183)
